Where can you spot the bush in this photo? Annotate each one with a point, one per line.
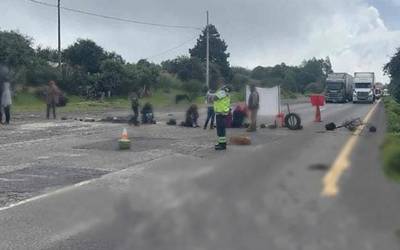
(393, 115)
(391, 146)
(391, 156)
(193, 88)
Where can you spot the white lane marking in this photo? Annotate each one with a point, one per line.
(39, 197)
(137, 170)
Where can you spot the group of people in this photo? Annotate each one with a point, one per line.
(53, 94)
(146, 112)
(219, 106)
(218, 111)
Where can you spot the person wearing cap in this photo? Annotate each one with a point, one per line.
(222, 105)
(253, 106)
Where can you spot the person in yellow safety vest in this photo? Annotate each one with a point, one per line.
(222, 104)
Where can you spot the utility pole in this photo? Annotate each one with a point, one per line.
(208, 55)
(59, 36)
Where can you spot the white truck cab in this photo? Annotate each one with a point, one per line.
(363, 90)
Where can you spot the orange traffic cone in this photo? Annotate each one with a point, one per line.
(124, 135)
(318, 114)
(124, 143)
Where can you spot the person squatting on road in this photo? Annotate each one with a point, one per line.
(210, 109)
(147, 114)
(191, 117)
(239, 115)
(134, 98)
(222, 103)
(52, 98)
(253, 106)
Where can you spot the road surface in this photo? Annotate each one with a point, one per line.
(64, 186)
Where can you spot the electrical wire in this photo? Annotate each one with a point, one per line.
(171, 49)
(114, 18)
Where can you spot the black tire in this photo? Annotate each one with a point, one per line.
(293, 121)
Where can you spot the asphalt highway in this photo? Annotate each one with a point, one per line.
(270, 195)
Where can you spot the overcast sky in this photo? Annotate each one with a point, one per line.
(358, 35)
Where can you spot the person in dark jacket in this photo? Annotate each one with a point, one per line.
(192, 115)
(253, 106)
(134, 98)
(52, 98)
(147, 114)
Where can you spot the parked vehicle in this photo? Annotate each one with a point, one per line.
(339, 88)
(364, 87)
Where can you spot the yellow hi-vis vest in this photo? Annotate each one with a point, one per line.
(223, 102)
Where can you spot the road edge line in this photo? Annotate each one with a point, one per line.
(342, 161)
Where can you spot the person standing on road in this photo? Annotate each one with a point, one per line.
(52, 98)
(1, 94)
(222, 103)
(134, 98)
(253, 106)
(6, 101)
(210, 109)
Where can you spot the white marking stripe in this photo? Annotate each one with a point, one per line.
(59, 191)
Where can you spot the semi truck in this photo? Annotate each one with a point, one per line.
(339, 88)
(364, 83)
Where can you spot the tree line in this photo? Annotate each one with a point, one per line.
(89, 70)
(392, 68)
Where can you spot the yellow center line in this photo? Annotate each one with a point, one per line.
(342, 162)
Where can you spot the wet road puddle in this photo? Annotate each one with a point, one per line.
(25, 183)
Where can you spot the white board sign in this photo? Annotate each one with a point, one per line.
(269, 100)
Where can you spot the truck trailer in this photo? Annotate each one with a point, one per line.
(364, 83)
(339, 88)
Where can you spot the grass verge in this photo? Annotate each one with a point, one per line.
(391, 146)
(28, 102)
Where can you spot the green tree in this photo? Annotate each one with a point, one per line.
(15, 49)
(392, 68)
(218, 50)
(47, 54)
(40, 72)
(186, 68)
(147, 75)
(86, 54)
(193, 88)
(112, 76)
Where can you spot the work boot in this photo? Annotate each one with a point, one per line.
(220, 146)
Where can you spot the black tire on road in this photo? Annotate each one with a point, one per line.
(293, 121)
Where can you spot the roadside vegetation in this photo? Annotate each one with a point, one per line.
(391, 147)
(90, 72)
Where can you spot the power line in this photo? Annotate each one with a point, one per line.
(173, 48)
(115, 18)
